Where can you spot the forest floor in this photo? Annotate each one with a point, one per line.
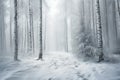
(58, 66)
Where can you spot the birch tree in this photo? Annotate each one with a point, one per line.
(99, 33)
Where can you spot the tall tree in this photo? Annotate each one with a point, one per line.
(118, 5)
(41, 38)
(11, 20)
(93, 21)
(31, 29)
(66, 27)
(107, 29)
(45, 30)
(2, 27)
(16, 31)
(99, 33)
(114, 18)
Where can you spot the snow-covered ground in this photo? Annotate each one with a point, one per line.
(58, 66)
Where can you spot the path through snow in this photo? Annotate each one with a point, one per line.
(58, 66)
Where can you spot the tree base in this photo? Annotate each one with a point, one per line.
(17, 60)
(100, 60)
(39, 59)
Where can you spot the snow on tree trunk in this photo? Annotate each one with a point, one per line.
(31, 29)
(99, 32)
(16, 31)
(41, 44)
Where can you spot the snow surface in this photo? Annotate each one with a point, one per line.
(58, 66)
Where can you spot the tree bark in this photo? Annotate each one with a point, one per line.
(118, 5)
(16, 31)
(41, 41)
(30, 25)
(99, 33)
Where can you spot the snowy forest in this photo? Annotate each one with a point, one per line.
(59, 39)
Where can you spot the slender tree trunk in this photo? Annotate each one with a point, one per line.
(93, 22)
(41, 41)
(45, 33)
(11, 18)
(30, 27)
(31, 31)
(114, 19)
(16, 31)
(99, 33)
(25, 37)
(26, 34)
(33, 46)
(0, 33)
(2, 29)
(11, 31)
(66, 27)
(118, 5)
(107, 29)
(83, 15)
(28, 41)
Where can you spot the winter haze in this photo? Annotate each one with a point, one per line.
(59, 39)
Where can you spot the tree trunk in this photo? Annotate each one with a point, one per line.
(30, 27)
(99, 33)
(41, 44)
(11, 18)
(114, 19)
(66, 27)
(107, 28)
(118, 5)
(16, 31)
